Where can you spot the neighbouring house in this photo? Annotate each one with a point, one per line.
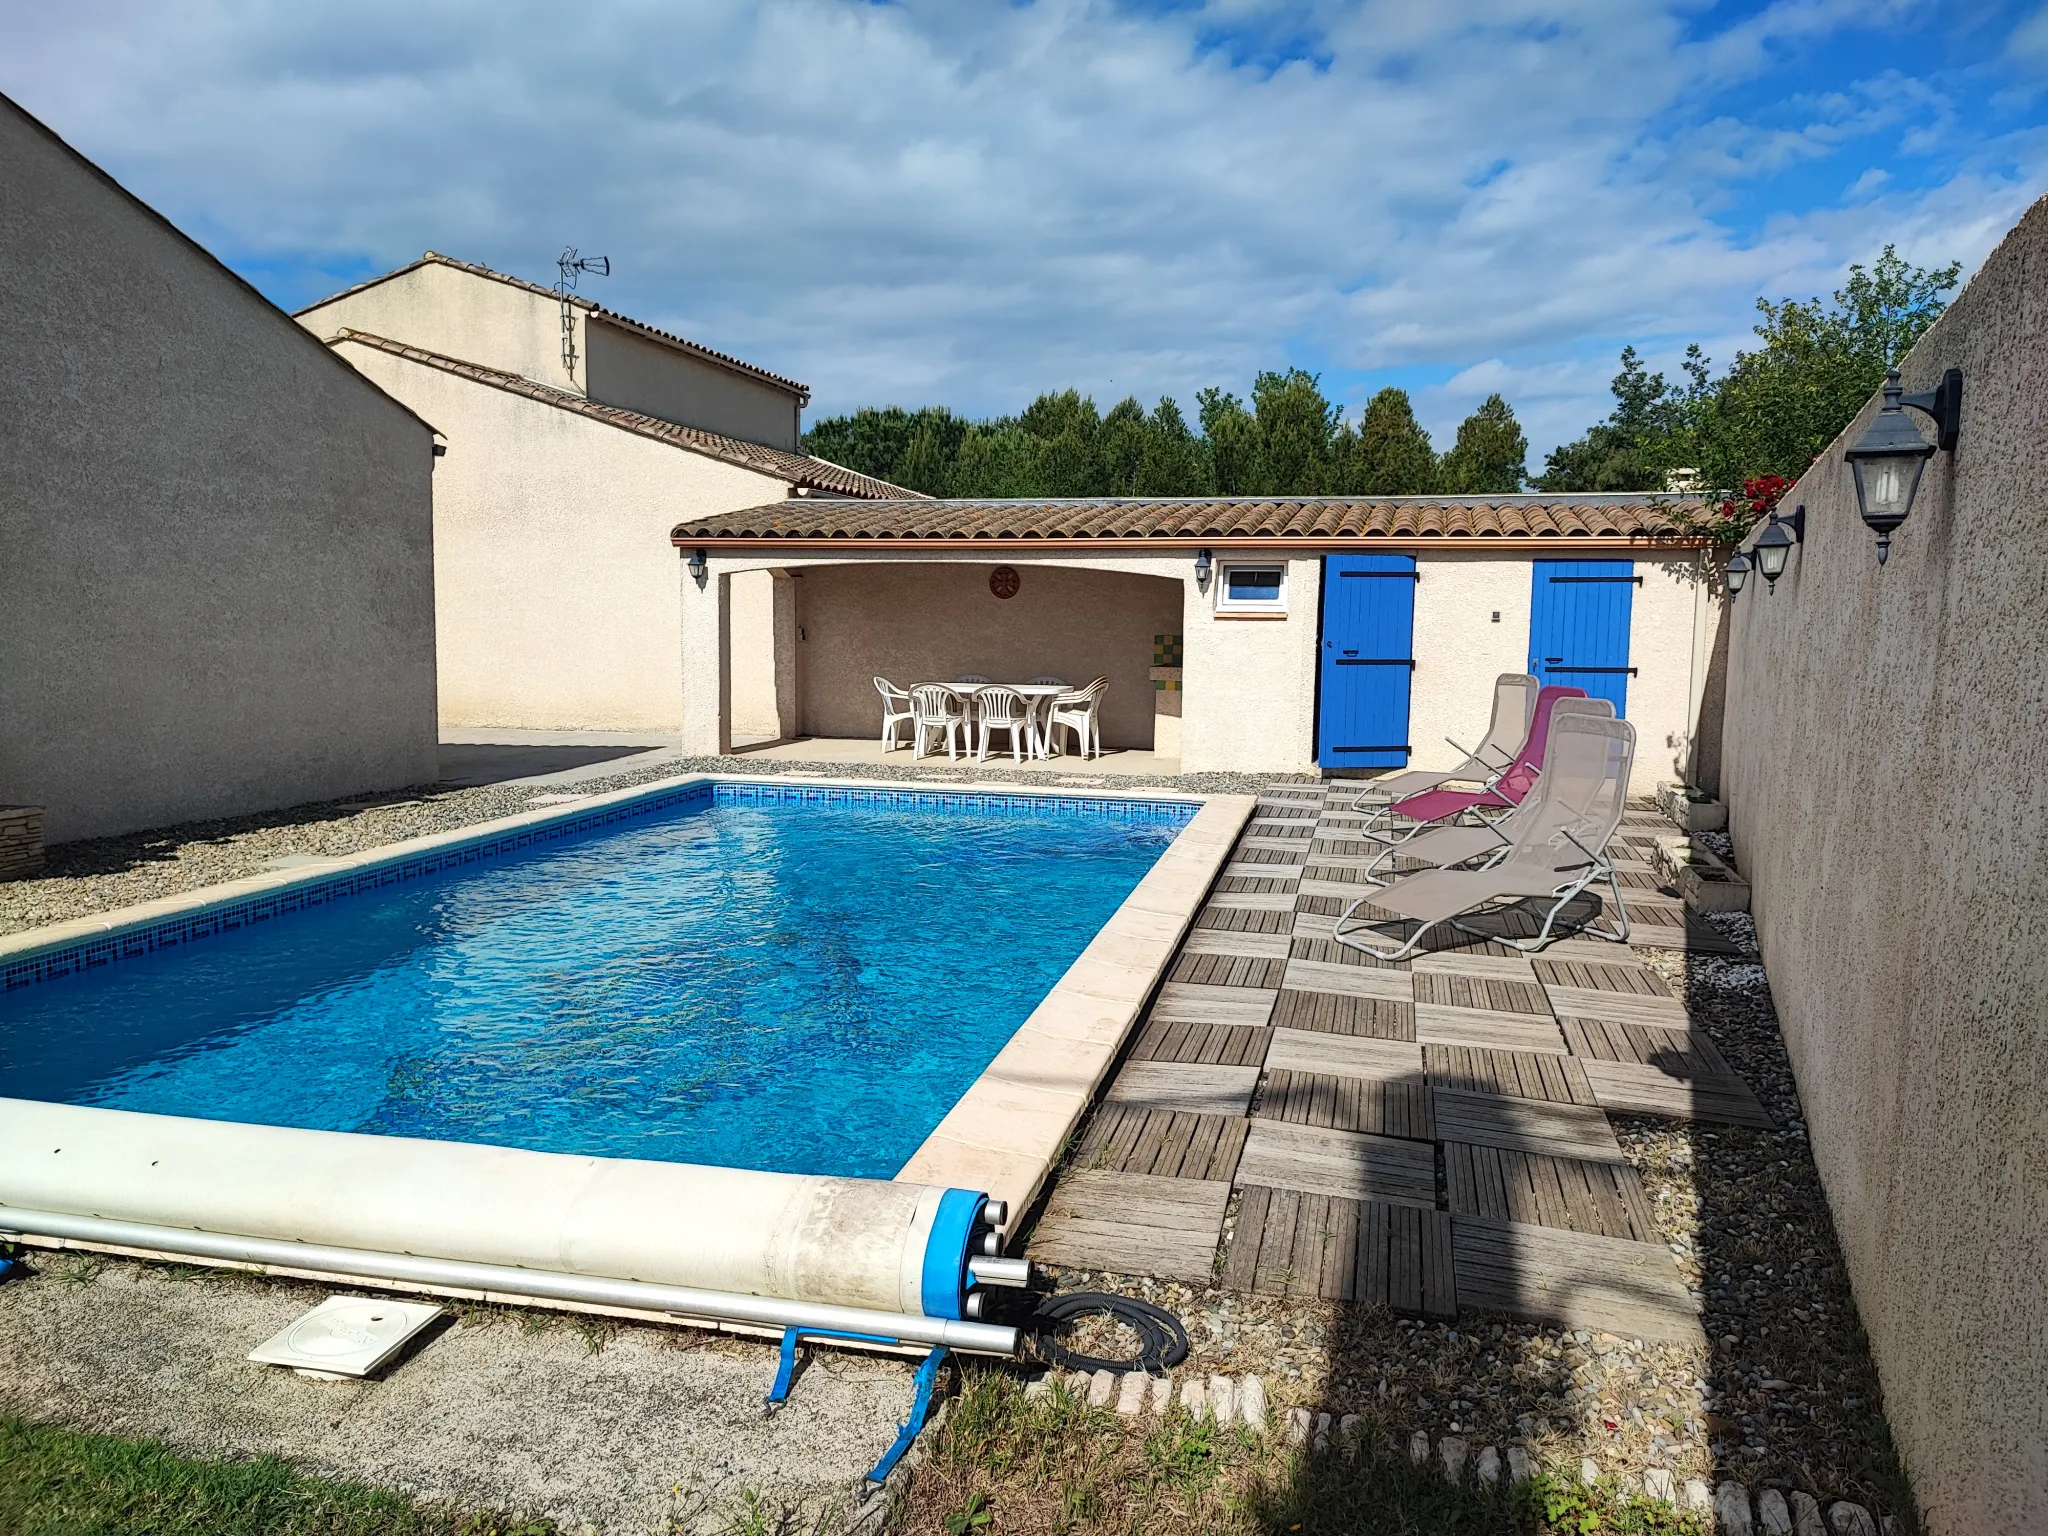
(576, 439)
(217, 589)
(1283, 635)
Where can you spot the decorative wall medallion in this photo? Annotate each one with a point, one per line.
(1003, 581)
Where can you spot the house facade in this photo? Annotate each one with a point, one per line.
(575, 438)
(1330, 635)
(217, 592)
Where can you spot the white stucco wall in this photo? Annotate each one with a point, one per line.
(555, 583)
(921, 623)
(756, 714)
(460, 314)
(628, 370)
(1249, 696)
(1460, 650)
(215, 540)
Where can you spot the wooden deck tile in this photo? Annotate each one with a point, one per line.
(1267, 808)
(1628, 1089)
(1289, 1243)
(1377, 1106)
(1269, 878)
(1271, 824)
(1525, 1125)
(1605, 1199)
(1585, 975)
(1132, 1224)
(1695, 936)
(1349, 980)
(1514, 1074)
(1327, 951)
(1213, 1045)
(1280, 860)
(1344, 1055)
(1213, 941)
(1348, 1164)
(1332, 1013)
(1171, 1144)
(1456, 989)
(1472, 962)
(1678, 1052)
(1240, 920)
(1208, 969)
(1250, 901)
(1486, 1027)
(1193, 1088)
(1293, 848)
(1574, 1278)
(1665, 1012)
(1214, 1005)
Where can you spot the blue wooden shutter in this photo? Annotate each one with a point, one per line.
(1579, 613)
(1368, 661)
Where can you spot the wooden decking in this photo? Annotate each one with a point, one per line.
(1298, 1118)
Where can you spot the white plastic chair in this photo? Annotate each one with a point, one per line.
(1004, 709)
(1040, 706)
(935, 707)
(1047, 682)
(1077, 712)
(972, 677)
(896, 711)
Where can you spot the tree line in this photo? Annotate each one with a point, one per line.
(1290, 440)
(1769, 415)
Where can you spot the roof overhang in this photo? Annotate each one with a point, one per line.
(1057, 549)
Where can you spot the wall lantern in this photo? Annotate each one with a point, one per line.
(1738, 572)
(1774, 545)
(1204, 564)
(1890, 456)
(699, 566)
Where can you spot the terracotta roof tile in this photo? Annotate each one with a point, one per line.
(1571, 515)
(800, 470)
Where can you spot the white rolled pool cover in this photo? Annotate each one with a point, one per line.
(890, 1250)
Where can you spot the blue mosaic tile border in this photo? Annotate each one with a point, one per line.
(225, 916)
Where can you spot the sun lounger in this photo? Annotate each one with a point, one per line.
(1559, 852)
(1443, 847)
(1402, 819)
(1514, 706)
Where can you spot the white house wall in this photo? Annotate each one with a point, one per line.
(1249, 698)
(556, 588)
(627, 370)
(444, 309)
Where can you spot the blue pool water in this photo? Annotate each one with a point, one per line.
(805, 988)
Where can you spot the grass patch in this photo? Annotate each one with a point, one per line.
(58, 1482)
(1056, 1467)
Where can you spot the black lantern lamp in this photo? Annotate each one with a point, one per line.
(1891, 455)
(1738, 572)
(699, 567)
(1774, 545)
(1204, 563)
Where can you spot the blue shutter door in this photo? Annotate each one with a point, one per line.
(1368, 660)
(1578, 626)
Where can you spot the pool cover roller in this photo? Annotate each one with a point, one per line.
(881, 1247)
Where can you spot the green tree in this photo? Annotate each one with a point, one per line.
(1780, 406)
(1297, 427)
(1491, 454)
(1120, 447)
(1232, 433)
(1174, 462)
(1654, 428)
(1393, 455)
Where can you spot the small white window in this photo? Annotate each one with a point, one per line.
(1247, 587)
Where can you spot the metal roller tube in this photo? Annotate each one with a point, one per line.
(977, 1338)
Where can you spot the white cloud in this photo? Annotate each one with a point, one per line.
(968, 202)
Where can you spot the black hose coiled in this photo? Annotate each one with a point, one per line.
(1165, 1340)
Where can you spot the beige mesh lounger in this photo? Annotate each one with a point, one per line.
(1514, 704)
(1560, 849)
(1445, 847)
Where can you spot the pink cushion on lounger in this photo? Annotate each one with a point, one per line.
(1516, 779)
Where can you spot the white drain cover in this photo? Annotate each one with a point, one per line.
(345, 1336)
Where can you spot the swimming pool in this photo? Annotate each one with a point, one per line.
(753, 976)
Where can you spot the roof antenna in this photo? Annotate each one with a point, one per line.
(570, 266)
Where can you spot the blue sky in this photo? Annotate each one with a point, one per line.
(948, 201)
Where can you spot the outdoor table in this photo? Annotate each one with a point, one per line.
(1037, 695)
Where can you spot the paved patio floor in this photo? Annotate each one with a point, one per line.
(830, 749)
(1296, 1117)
